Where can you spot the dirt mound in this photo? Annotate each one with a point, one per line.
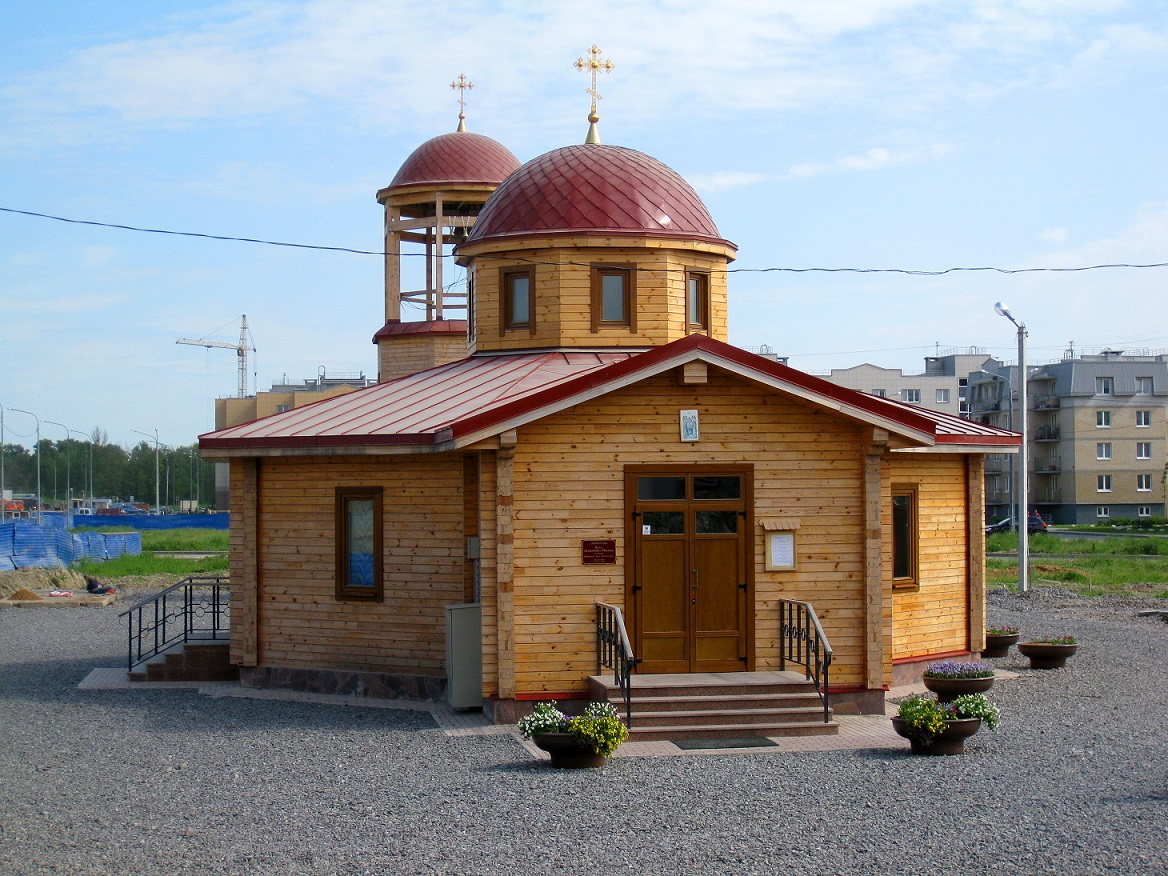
(40, 579)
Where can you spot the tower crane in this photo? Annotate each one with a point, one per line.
(240, 351)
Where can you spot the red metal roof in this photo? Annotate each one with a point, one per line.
(458, 157)
(481, 396)
(595, 189)
(396, 328)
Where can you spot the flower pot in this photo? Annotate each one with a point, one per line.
(948, 689)
(566, 752)
(951, 740)
(999, 646)
(1044, 655)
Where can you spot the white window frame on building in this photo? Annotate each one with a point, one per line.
(1103, 483)
(1144, 386)
(942, 396)
(1103, 419)
(880, 393)
(912, 396)
(1103, 450)
(1143, 419)
(1143, 483)
(1143, 450)
(1144, 511)
(1104, 386)
(1102, 510)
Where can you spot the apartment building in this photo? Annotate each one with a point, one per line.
(1097, 430)
(942, 386)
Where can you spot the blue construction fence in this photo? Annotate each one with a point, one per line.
(24, 544)
(217, 520)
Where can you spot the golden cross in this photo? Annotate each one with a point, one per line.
(594, 64)
(461, 84)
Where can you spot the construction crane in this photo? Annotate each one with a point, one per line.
(240, 351)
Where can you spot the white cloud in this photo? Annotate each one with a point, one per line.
(1054, 235)
(874, 159)
(723, 180)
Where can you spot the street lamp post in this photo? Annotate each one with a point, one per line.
(38, 456)
(68, 476)
(157, 505)
(89, 488)
(3, 500)
(1024, 457)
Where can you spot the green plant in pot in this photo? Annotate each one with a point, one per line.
(952, 678)
(575, 741)
(934, 727)
(1049, 653)
(999, 640)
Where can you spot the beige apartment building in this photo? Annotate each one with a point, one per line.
(1097, 430)
(942, 386)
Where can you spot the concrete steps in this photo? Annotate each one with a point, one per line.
(719, 705)
(193, 661)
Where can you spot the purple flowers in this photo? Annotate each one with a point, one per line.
(958, 669)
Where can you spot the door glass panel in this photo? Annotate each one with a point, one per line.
(718, 488)
(663, 522)
(717, 522)
(660, 488)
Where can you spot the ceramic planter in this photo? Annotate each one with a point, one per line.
(999, 646)
(951, 740)
(1044, 655)
(566, 752)
(948, 689)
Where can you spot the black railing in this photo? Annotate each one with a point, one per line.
(802, 642)
(196, 608)
(614, 651)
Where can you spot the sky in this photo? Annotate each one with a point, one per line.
(918, 135)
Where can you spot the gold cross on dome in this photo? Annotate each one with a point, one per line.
(461, 85)
(594, 65)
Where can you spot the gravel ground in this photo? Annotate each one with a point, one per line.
(1075, 781)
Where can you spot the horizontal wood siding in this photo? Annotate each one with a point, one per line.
(301, 622)
(569, 487)
(934, 617)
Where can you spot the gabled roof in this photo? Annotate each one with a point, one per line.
(473, 399)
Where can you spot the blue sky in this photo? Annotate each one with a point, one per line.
(840, 134)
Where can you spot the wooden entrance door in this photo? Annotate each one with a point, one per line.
(689, 583)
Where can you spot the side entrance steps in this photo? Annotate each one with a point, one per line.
(721, 705)
(193, 660)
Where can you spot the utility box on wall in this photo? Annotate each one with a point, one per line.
(464, 655)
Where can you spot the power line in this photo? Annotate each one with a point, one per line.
(911, 272)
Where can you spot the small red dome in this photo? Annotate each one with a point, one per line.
(459, 157)
(595, 188)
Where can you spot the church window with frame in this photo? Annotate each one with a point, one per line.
(517, 290)
(358, 527)
(614, 296)
(697, 302)
(904, 536)
(470, 306)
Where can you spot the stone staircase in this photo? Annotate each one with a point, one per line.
(719, 705)
(193, 661)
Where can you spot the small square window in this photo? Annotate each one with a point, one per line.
(942, 396)
(518, 292)
(1144, 511)
(697, 302)
(1103, 450)
(280, 409)
(1144, 483)
(1104, 386)
(613, 297)
(1103, 419)
(358, 544)
(1102, 511)
(1103, 484)
(880, 393)
(911, 395)
(1143, 450)
(1143, 386)
(1143, 418)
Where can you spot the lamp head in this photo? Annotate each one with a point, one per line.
(1003, 309)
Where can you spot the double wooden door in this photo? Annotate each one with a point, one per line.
(688, 580)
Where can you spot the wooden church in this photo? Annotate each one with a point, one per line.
(587, 436)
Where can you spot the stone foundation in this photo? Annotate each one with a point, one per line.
(381, 685)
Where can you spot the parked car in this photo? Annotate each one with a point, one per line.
(1034, 523)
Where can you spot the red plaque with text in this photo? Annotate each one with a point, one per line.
(599, 551)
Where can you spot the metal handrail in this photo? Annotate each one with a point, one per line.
(804, 643)
(614, 651)
(178, 614)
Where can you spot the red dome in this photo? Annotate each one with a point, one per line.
(595, 188)
(459, 157)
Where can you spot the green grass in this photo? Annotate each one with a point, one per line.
(1041, 543)
(149, 563)
(1094, 575)
(176, 539)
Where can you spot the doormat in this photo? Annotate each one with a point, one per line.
(734, 742)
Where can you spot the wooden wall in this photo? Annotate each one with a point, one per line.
(933, 618)
(569, 486)
(301, 624)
